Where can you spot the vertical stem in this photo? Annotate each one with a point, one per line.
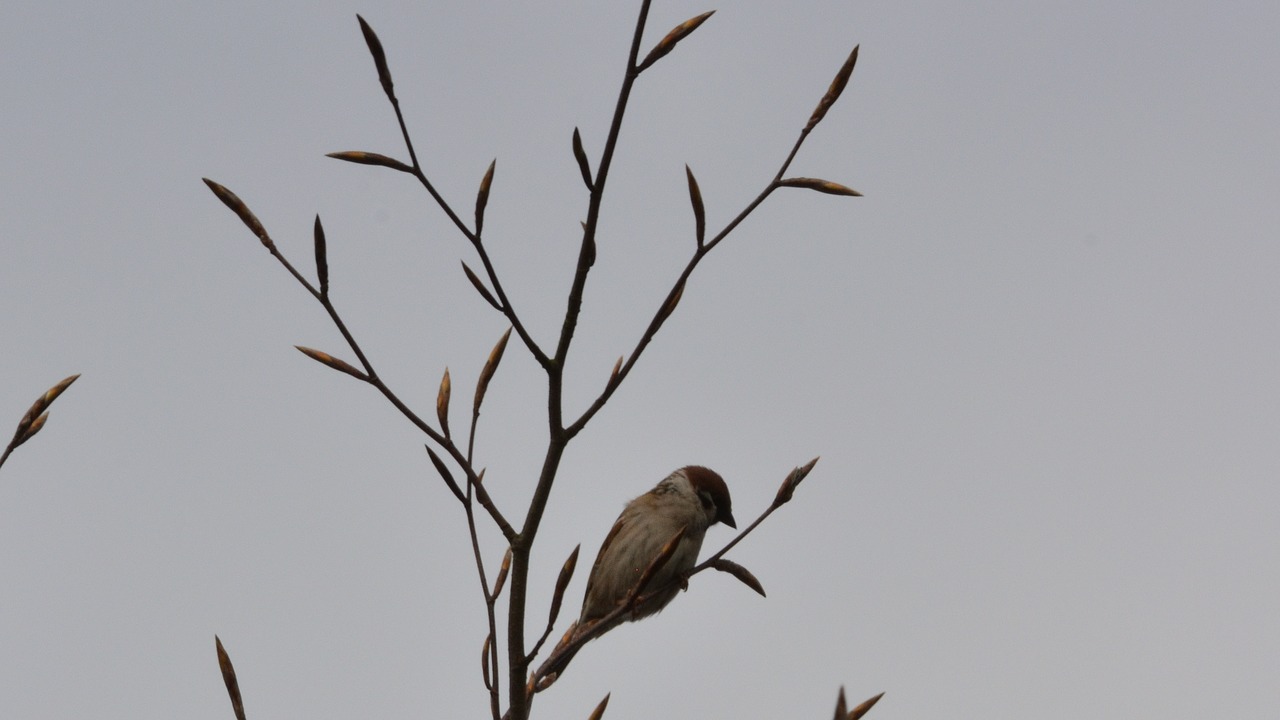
(517, 661)
(521, 548)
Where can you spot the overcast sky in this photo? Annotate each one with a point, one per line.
(1038, 359)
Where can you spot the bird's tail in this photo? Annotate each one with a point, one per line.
(561, 655)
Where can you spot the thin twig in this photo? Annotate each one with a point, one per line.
(372, 378)
(473, 236)
(446, 444)
(495, 700)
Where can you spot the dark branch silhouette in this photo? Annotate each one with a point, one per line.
(445, 452)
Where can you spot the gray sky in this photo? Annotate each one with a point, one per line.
(1038, 359)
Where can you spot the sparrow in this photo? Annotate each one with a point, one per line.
(693, 498)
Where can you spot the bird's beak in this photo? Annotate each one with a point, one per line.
(727, 519)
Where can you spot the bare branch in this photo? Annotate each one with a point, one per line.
(513, 573)
(501, 302)
(489, 655)
(369, 374)
(232, 201)
(520, 693)
(703, 248)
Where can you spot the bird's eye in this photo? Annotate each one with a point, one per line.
(707, 502)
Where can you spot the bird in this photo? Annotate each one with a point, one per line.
(691, 499)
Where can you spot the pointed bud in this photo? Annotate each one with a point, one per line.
(666, 44)
(743, 574)
(580, 155)
(52, 393)
(788, 487)
(490, 367)
(599, 711)
(617, 370)
(699, 213)
(480, 288)
(840, 706)
(445, 475)
(331, 361)
(367, 158)
(833, 92)
(670, 307)
(822, 186)
(484, 661)
(36, 416)
(39, 407)
(442, 402)
(229, 679)
(482, 197)
(242, 211)
(322, 258)
(864, 707)
(502, 573)
(30, 430)
(562, 583)
(379, 58)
